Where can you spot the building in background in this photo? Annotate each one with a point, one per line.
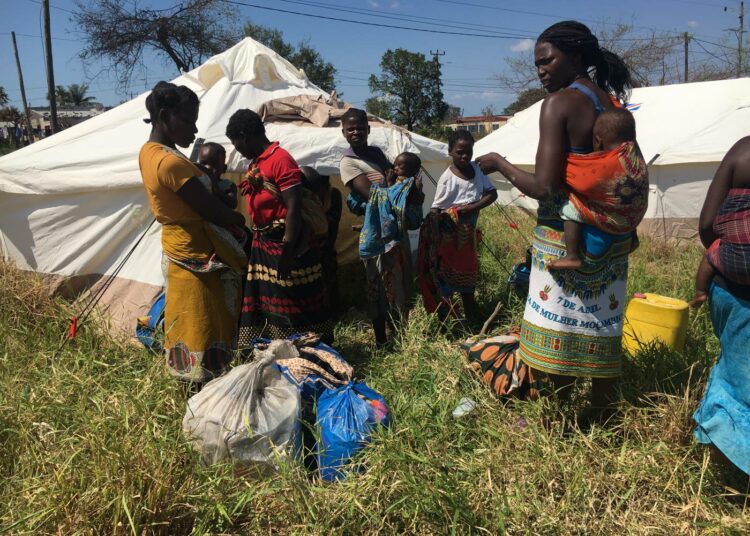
(479, 125)
(68, 116)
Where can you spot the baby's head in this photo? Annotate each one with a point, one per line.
(612, 128)
(213, 157)
(314, 181)
(407, 165)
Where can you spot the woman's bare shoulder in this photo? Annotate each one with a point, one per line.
(741, 146)
(739, 159)
(565, 102)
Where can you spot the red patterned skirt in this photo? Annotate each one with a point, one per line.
(448, 258)
(277, 308)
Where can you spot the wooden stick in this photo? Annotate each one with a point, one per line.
(489, 320)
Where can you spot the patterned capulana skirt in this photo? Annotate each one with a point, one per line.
(276, 308)
(572, 324)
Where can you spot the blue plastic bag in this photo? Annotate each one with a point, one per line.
(346, 418)
(147, 326)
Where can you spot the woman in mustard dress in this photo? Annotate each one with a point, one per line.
(202, 262)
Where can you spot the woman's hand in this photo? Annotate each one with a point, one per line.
(489, 163)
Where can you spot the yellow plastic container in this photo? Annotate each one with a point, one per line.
(651, 317)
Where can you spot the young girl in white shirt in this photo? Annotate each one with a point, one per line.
(462, 191)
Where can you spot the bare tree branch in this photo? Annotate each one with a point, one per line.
(185, 33)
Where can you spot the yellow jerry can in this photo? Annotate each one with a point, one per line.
(651, 317)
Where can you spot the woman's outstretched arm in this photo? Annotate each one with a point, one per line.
(551, 153)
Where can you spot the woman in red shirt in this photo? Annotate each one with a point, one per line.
(284, 292)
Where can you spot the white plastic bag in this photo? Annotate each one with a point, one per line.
(251, 414)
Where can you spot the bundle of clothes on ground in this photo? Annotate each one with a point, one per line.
(297, 398)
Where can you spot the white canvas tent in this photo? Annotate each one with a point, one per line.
(684, 131)
(73, 205)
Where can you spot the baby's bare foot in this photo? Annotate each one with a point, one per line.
(698, 299)
(566, 263)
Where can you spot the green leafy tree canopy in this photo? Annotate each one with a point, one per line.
(77, 94)
(62, 96)
(380, 107)
(411, 86)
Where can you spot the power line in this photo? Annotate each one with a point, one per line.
(375, 24)
(39, 37)
(716, 44)
(53, 7)
(699, 41)
(547, 15)
(492, 29)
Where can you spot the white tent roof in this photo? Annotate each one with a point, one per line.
(684, 131)
(682, 123)
(73, 204)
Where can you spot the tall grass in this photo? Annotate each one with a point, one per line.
(91, 442)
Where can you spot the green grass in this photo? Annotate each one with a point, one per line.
(6, 148)
(91, 441)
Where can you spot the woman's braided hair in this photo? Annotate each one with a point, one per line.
(167, 96)
(610, 71)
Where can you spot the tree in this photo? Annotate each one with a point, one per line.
(318, 71)
(303, 56)
(3, 96)
(412, 88)
(77, 94)
(452, 113)
(186, 33)
(379, 106)
(271, 37)
(62, 96)
(525, 98)
(436, 132)
(488, 111)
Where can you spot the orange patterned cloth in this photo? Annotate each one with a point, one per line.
(496, 362)
(609, 189)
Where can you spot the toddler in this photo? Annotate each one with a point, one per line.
(614, 130)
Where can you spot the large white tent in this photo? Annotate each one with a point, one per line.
(684, 131)
(72, 205)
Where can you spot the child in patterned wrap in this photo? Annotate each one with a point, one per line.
(612, 129)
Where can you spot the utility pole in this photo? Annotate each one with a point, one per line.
(740, 34)
(436, 55)
(687, 40)
(23, 90)
(739, 39)
(54, 124)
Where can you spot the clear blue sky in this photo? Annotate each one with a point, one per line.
(355, 49)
